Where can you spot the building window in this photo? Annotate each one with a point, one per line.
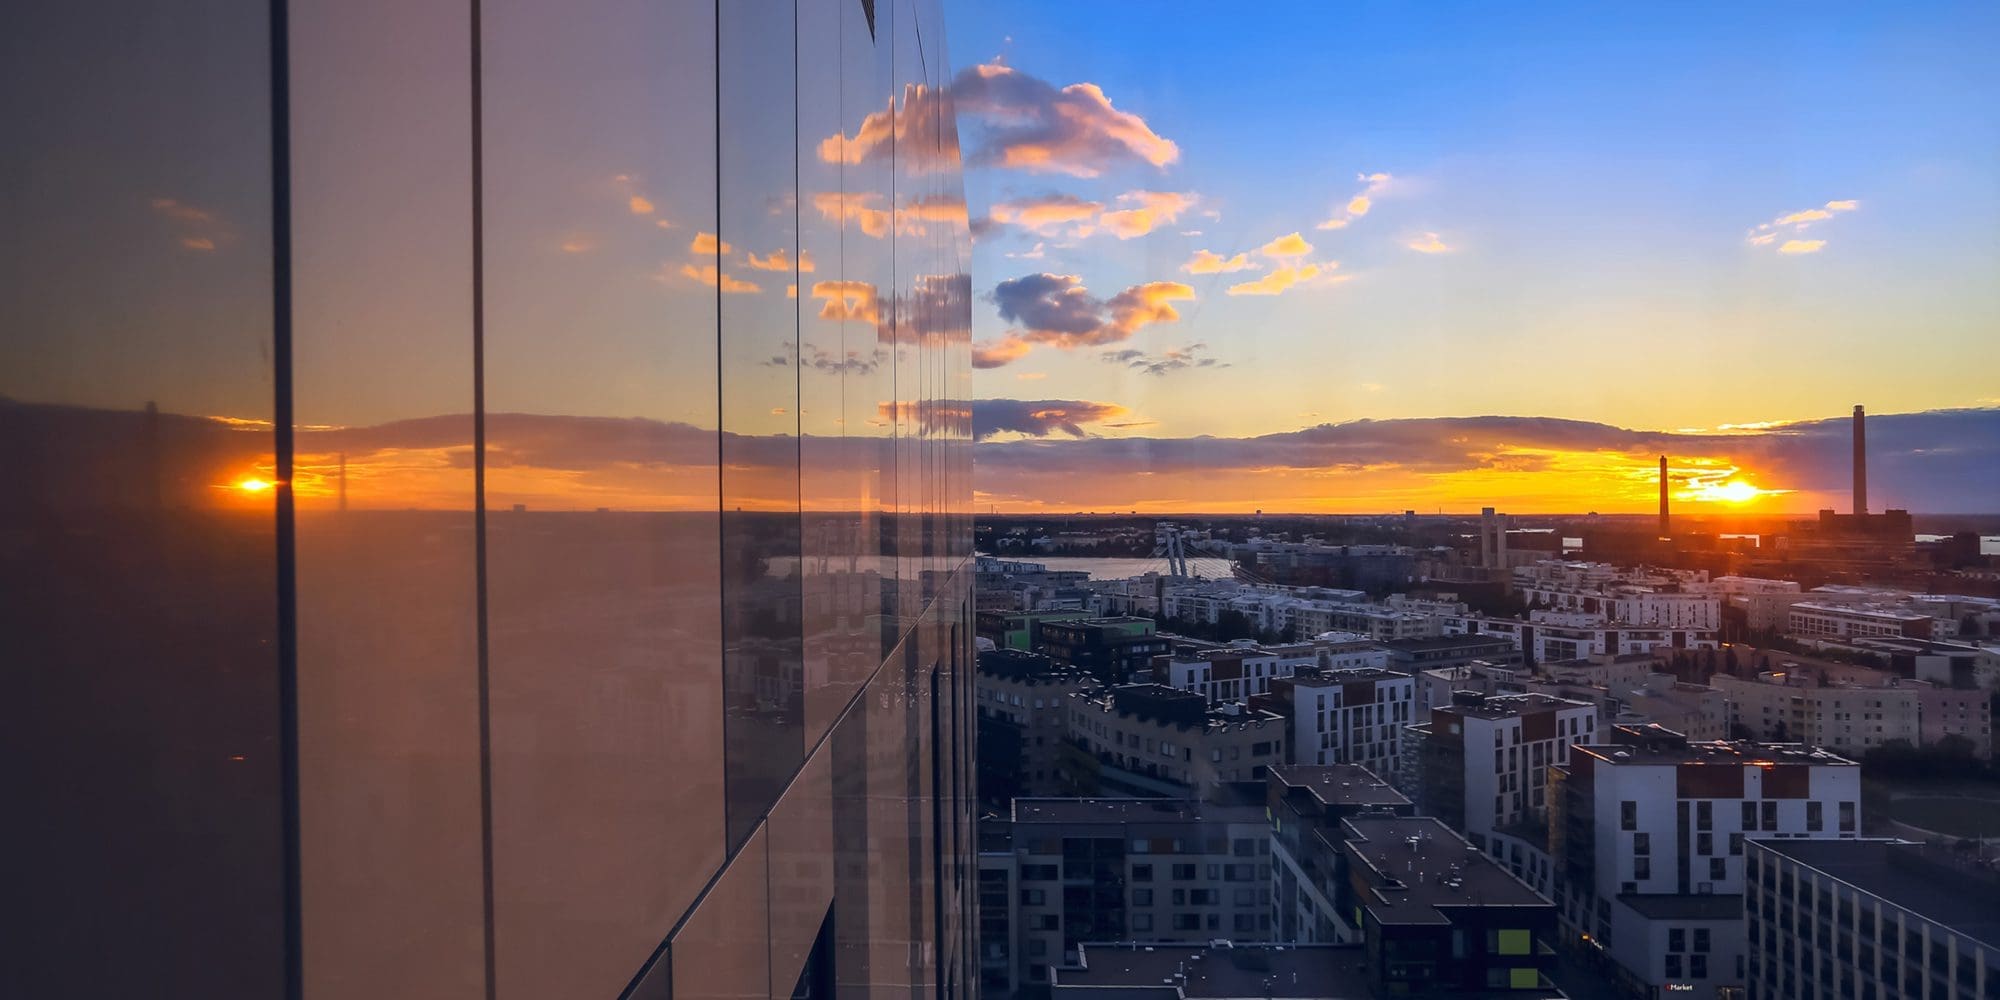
(1673, 966)
(1704, 816)
(1142, 873)
(1770, 811)
(1628, 815)
(1642, 843)
(1142, 897)
(1718, 869)
(1735, 844)
(1704, 843)
(1815, 816)
(1642, 868)
(1847, 817)
(1142, 922)
(1701, 939)
(1676, 939)
(1698, 966)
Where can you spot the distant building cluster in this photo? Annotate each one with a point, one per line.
(1338, 763)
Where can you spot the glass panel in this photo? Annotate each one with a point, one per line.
(138, 496)
(386, 573)
(800, 838)
(722, 952)
(600, 345)
(753, 255)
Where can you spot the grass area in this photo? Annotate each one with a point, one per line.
(1952, 816)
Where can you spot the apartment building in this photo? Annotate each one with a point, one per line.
(1351, 716)
(1546, 637)
(1022, 705)
(1125, 869)
(1438, 916)
(1823, 620)
(1870, 919)
(1853, 717)
(1243, 669)
(1482, 764)
(1648, 834)
(1630, 604)
(1152, 740)
(1114, 650)
(1306, 804)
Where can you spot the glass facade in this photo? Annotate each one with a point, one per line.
(487, 500)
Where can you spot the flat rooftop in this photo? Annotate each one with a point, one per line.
(1307, 676)
(1416, 868)
(1478, 640)
(1725, 752)
(1913, 876)
(1125, 810)
(1339, 784)
(1507, 706)
(1222, 972)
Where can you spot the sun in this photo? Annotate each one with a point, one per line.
(252, 484)
(1738, 491)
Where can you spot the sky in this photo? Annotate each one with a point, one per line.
(1383, 256)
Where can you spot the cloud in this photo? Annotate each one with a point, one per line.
(706, 243)
(1172, 359)
(1288, 245)
(1208, 262)
(848, 301)
(1767, 233)
(869, 213)
(200, 229)
(1277, 281)
(996, 353)
(1039, 417)
(1035, 254)
(1936, 461)
(1057, 309)
(708, 275)
(1146, 211)
(779, 260)
(909, 134)
(1358, 206)
(1028, 124)
(639, 205)
(1427, 243)
(1070, 216)
(1049, 214)
(1031, 376)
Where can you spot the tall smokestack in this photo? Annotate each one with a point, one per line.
(1664, 533)
(1860, 461)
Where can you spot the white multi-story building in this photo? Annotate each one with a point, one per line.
(1547, 638)
(1351, 716)
(1821, 620)
(1482, 762)
(1631, 604)
(1243, 669)
(1855, 718)
(1647, 831)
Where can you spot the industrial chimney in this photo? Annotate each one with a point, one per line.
(1664, 533)
(1860, 461)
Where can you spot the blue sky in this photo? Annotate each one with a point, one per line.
(1590, 178)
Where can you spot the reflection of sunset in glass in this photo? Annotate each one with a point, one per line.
(253, 485)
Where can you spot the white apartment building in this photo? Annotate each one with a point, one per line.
(1855, 718)
(1483, 762)
(1545, 638)
(1823, 620)
(1243, 670)
(1631, 604)
(1648, 834)
(1353, 716)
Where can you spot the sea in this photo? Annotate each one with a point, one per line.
(1207, 567)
